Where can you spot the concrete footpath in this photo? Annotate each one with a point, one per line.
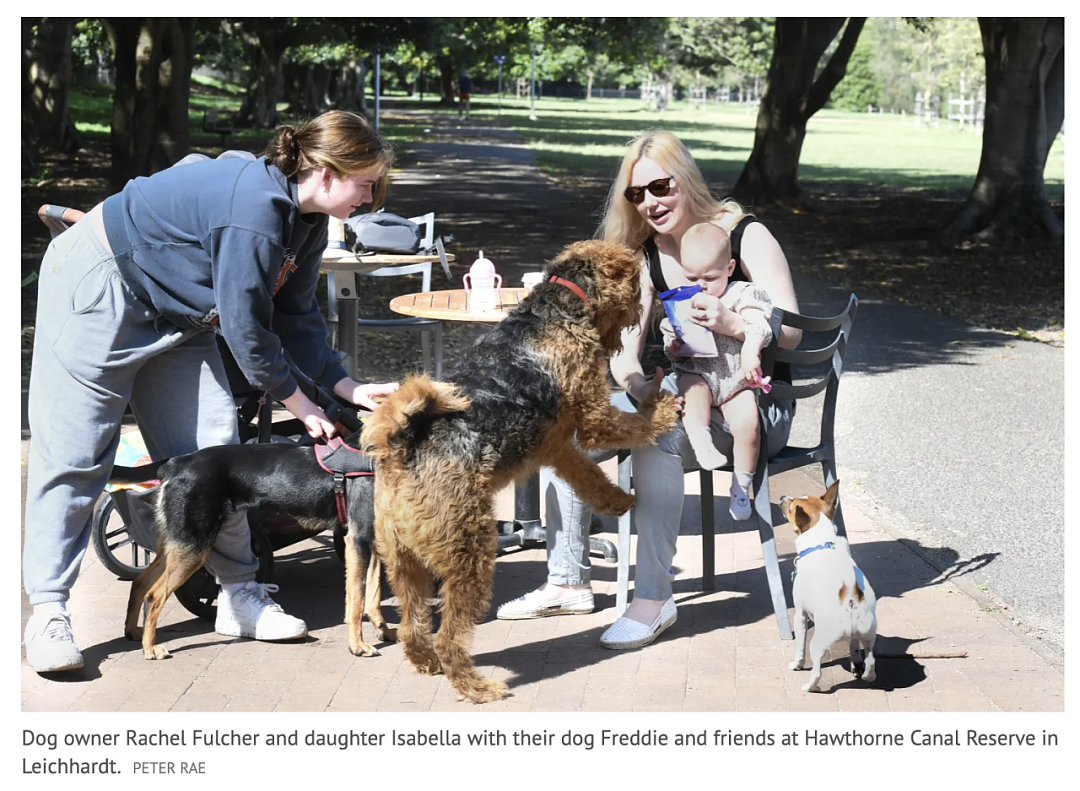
(951, 472)
(940, 648)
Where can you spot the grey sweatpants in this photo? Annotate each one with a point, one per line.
(97, 348)
(658, 479)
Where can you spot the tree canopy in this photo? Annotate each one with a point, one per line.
(802, 64)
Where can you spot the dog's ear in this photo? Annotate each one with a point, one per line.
(802, 520)
(830, 497)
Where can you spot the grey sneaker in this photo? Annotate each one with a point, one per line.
(50, 646)
(250, 612)
(535, 604)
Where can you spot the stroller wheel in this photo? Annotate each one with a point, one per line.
(200, 592)
(113, 543)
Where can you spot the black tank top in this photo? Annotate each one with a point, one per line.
(656, 274)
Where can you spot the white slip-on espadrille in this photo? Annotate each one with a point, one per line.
(627, 633)
(536, 604)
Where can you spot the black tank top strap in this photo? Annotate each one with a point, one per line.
(782, 371)
(736, 245)
(652, 256)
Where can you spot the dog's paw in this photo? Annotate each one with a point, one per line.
(650, 398)
(388, 634)
(869, 675)
(665, 413)
(427, 665)
(363, 649)
(134, 634)
(811, 686)
(796, 665)
(615, 503)
(156, 652)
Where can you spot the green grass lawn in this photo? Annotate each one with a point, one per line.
(587, 137)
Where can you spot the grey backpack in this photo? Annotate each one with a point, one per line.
(382, 233)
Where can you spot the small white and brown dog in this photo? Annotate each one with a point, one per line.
(828, 588)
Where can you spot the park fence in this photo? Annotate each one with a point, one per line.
(967, 110)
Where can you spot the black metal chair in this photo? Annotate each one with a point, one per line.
(838, 329)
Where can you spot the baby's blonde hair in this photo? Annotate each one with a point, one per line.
(705, 242)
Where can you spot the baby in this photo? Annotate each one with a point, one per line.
(723, 380)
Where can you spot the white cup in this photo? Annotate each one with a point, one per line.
(531, 279)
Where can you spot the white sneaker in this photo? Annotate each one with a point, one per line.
(250, 612)
(537, 604)
(628, 633)
(739, 507)
(50, 646)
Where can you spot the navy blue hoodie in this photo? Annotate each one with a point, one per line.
(221, 245)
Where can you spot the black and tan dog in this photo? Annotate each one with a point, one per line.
(199, 490)
(522, 394)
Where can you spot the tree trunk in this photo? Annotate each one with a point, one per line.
(298, 88)
(588, 88)
(447, 82)
(46, 118)
(264, 88)
(792, 95)
(307, 89)
(350, 93)
(154, 58)
(1025, 107)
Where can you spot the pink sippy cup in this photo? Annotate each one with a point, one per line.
(482, 284)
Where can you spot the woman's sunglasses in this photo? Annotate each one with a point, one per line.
(659, 188)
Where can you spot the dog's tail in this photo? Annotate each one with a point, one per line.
(851, 593)
(399, 419)
(141, 474)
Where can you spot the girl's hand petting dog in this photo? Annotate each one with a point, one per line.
(366, 396)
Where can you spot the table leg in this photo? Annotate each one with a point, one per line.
(348, 313)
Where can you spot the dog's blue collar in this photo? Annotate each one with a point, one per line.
(805, 552)
(860, 578)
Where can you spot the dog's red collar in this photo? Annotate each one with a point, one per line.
(575, 288)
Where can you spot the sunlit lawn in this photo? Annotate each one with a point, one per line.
(587, 137)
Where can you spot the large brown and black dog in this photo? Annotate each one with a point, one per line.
(520, 397)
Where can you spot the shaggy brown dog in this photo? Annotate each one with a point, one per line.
(520, 396)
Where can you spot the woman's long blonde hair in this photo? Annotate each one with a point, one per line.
(623, 223)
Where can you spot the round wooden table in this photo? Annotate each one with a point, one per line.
(455, 305)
